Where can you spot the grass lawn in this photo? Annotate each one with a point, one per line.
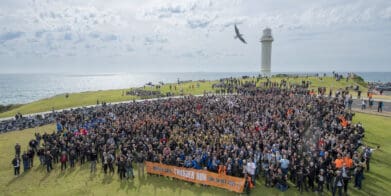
(74, 99)
(90, 98)
(80, 182)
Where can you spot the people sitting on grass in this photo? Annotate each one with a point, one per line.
(280, 132)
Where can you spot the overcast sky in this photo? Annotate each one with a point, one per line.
(95, 36)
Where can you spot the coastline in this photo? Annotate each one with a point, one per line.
(90, 98)
(26, 88)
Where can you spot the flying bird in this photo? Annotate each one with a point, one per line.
(238, 35)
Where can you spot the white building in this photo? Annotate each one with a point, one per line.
(266, 41)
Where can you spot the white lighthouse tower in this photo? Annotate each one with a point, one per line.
(266, 41)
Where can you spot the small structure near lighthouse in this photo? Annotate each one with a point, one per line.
(266, 41)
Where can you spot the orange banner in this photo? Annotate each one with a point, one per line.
(197, 176)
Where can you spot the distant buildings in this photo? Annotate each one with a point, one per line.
(266, 41)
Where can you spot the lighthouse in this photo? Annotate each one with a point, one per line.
(266, 41)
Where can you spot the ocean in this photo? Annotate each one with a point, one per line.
(25, 88)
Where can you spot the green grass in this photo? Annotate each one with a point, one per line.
(378, 180)
(74, 99)
(4, 108)
(90, 98)
(80, 182)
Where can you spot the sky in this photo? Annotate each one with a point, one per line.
(122, 36)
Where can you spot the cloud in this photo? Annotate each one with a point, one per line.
(200, 22)
(39, 34)
(194, 54)
(172, 9)
(8, 36)
(110, 37)
(68, 36)
(94, 35)
(155, 39)
(192, 30)
(167, 11)
(129, 48)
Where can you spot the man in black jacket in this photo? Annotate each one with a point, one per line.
(16, 164)
(30, 154)
(338, 184)
(17, 149)
(72, 158)
(346, 177)
(140, 164)
(311, 176)
(121, 167)
(301, 184)
(129, 167)
(26, 161)
(93, 160)
(48, 161)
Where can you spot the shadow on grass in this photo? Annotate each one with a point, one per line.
(44, 178)
(130, 186)
(107, 179)
(69, 171)
(378, 177)
(40, 168)
(16, 178)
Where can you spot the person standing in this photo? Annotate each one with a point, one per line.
(311, 176)
(338, 162)
(26, 162)
(338, 183)
(140, 164)
(63, 160)
(121, 168)
(370, 100)
(345, 177)
(17, 149)
(111, 160)
(301, 178)
(48, 161)
(251, 169)
(16, 164)
(363, 104)
(321, 179)
(129, 168)
(105, 162)
(284, 164)
(380, 106)
(41, 155)
(30, 154)
(93, 160)
(72, 158)
(367, 155)
(358, 175)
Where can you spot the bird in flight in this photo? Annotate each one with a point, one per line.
(238, 35)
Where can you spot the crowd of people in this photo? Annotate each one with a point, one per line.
(144, 93)
(20, 122)
(278, 132)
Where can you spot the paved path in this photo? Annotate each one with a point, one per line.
(386, 107)
(373, 112)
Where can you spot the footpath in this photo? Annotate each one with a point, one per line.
(356, 107)
(372, 111)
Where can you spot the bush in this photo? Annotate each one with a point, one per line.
(360, 80)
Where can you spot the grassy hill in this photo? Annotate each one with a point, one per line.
(90, 98)
(80, 182)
